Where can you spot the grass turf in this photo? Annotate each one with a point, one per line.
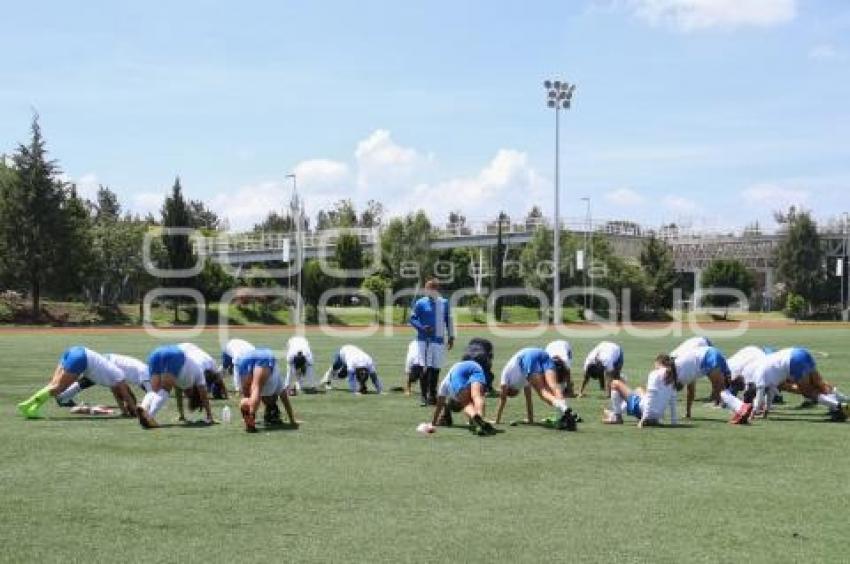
(357, 483)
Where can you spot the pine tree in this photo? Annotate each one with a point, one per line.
(800, 256)
(176, 213)
(31, 203)
(657, 262)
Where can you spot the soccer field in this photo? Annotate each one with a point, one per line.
(357, 483)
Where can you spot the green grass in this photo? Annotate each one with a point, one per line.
(357, 484)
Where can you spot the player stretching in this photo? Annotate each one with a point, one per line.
(78, 363)
(795, 369)
(232, 352)
(299, 365)
(603, 363)
(431, 317)
(701, 362)
(533, 368)
(172, 369)
(647, 406)
(689, 344)
(412, 366)
(562, 355)
(259, 381)
(358, 367)
(135, 372)
(463, 389)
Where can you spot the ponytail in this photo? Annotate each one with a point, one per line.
(671, 378)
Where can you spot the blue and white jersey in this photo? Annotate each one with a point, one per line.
(692, 343)
(433, 312)
(698, 362)
(84, 362)
(460, 377)
(524, 363)
(795, 363)
(172, 360)
(264, 358)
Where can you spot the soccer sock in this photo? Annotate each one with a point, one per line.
(840, 396)
(423, 383)
(69, 392)
(560, 406)
(616, 403)
(147, 400)
(830, 401)
(157, 402)
(432, 382)
(730, 400)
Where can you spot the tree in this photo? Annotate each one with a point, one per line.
(213, 282)
(373, 215)
(201, 217)
(176, 214)
(657, 262)
(406, 249)
(348, 253)
(800, 257)
(377, 285)
(316, 283)
(534, 218)
(539, 251)
(276, 223)
(107, 207)
(342, 214)
(722, 274)
(32, 224)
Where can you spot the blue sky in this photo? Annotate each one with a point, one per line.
(708, 112)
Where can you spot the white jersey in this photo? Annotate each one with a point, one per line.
(688, 344)
(413, 358)
(298, 344)
(689, 365)
(197, 354)
(561, 349)
(135, 371)
(236, 349)
(512, 374)
(101, 370)
(608, 353)
(773, 369)
(354, 358)
(742, 364)
(659, 397)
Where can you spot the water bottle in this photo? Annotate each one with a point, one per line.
(225, 414)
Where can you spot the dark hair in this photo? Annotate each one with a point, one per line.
(361, 374)
(669, 363)
(194, 398)
(596, 370)
(300, 361)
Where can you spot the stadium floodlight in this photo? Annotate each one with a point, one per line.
(559, 95)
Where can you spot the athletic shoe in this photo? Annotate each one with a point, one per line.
(779, 400)
(250, 421)
(66, 403)
(839, 415)
(423, 402)
(742, 414)
(484, 428)
(567, 422)
(432, 400)
(144, 420)
(271, 416)
(611, 418)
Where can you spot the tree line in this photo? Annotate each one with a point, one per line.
(54, 243)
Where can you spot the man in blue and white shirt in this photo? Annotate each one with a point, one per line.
(432, 319)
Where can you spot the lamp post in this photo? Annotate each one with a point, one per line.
(559, 95)
(585, 257)
(296, 209)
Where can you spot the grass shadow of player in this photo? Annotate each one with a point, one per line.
(275, 427)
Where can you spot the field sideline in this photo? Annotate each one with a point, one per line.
(356, 483)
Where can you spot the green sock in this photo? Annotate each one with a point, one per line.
(37, 398)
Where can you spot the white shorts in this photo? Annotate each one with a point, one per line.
(431, 355)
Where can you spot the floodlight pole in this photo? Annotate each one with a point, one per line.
(299, 251)
(559, 95)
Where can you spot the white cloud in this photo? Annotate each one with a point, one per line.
(774, 196)
(624, 197)
(381, 162)
(87, 184)
(322, 176)
(824, 52)
(679, 204)
(249, 204)
(507, 183)
(692, 15)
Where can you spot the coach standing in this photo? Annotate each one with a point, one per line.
(432, 320)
